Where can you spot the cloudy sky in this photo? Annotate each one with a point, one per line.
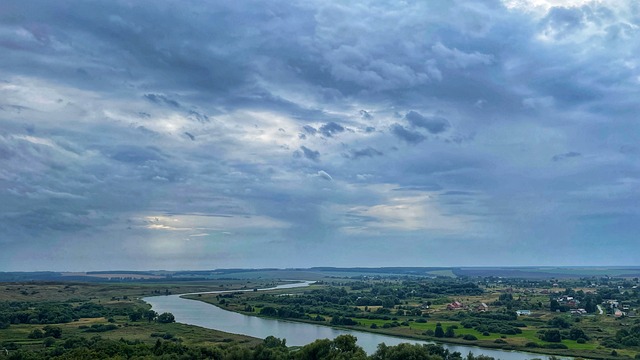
(210, 134)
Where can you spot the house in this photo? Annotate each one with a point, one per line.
(454, 305)
(482, 307)
(523, 312)
(579, 311)
(612, 303)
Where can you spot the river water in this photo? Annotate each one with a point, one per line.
(199, 313)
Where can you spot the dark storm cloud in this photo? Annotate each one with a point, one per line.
(433, 124)
(407, 135)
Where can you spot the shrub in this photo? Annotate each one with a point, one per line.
(469, 337)
(36, 334)
(581, 341)
(499, 341)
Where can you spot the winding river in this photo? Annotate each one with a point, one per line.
(201, 314)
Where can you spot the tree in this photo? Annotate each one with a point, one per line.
(166, 318)
(552, 336)
(450, 332)
(559, 323)
(274, 342)
(150, 315)
(575, 334)
(136, 315)
(36, 334)
(48, 342)
(439, 332)
(53, 331)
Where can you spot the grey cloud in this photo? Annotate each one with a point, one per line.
(137, 155)
(309, 129)
(406, 134)
(330, 129)
(434, 124)
(101, 108)
(162, 100)
(201, 118)
(563, 21)
(366, 152)
(568, 155)
(365, 115)
(457, 193)
(429, 187)
(323, 174)
(629, 150)
(310, 154)
(460, 59)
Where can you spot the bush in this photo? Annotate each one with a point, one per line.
(36, 334)
(499, 341)
(581, 341)
(531, 345)
(49, 341)
(469, 337)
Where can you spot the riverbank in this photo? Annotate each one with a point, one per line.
(422, 338)
(409, 334)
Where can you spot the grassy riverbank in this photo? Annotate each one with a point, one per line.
(424, 327)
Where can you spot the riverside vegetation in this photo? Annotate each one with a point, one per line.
(80, 320)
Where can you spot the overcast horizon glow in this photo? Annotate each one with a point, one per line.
(200, 135)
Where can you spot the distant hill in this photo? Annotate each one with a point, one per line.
(317, 273)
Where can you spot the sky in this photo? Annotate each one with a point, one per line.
(176, 135)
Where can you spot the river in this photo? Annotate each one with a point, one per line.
(201, 314)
